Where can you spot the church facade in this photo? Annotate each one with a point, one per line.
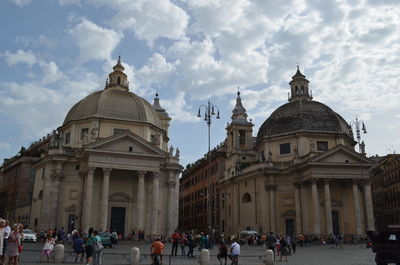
(300, 174)
(109, 166)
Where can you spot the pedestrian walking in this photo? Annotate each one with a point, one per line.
(191, 245)
(2, 228)
(175, 243)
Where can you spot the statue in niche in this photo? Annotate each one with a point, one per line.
(312, 146)
(85, 139)
(54, 141)
(296, 152)
(171, 150)
(94, 133)
(269, 156)
(177, 154)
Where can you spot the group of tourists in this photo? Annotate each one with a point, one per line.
(10, 242)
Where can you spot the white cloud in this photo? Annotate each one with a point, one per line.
(148, 19)
(21, 3)
(69, 2)
(4, 145)
(177, 108)
(95, 42)
(19, 57)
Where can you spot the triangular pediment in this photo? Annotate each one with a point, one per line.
(341, 154)
(125, 142)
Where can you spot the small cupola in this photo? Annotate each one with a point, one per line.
(118, 78)
(156, 105)
(299, 87)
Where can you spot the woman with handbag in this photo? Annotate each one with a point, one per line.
(14, 246)
(97, 248)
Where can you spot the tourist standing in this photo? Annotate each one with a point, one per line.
(183, 244)
(191, 246)
(175, 243)
(7, 233)
(14, 246)
(97, 248)
(89, 246)
(284, 248)
(78, 246)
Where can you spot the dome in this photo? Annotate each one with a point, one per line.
(116, 104)
(303, 116)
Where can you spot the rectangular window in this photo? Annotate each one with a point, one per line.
(67, 138)
(322, 146)
(284, 148)
(117, 131)
(84, 132)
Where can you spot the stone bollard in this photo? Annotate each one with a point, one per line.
(269, 257)
(135, 256)
(59, 253)
(204, 257)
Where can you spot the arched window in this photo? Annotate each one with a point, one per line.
(40, 196)
(246, 198)
(119, 80)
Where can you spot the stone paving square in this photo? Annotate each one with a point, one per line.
(314, 255)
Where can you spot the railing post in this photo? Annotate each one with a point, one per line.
(204, 257)
(59, 253)
(135, 256)
(269, 257)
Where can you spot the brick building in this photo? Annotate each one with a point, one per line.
(194, 184)
(385, 187)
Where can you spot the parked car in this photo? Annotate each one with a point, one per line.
(105, 239)
(28, 236)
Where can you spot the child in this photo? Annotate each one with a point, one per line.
(48, 247)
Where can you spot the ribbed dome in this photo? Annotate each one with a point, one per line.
(114, 103)
(303, 115)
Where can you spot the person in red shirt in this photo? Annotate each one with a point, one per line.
(175, 242)
(157, 249)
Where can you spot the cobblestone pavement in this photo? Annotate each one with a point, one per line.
(314, 255)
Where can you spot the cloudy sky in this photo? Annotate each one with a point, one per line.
(55, 52)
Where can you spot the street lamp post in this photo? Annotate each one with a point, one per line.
(209, 111)
(357, 124)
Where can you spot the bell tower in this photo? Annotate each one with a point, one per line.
(239, 141)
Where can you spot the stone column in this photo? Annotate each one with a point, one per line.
(272, 207)
(87, 202)
(328, 208)
(316, 211)
(297, 207)
(305, 209)
(154, 203)
(171, 207)
(104, 198)
(357, 212)
(140, 201)
(368, 206)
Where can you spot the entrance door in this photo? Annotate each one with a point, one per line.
(71, 222)
(118, 219)
(289, 226)
(335, 222)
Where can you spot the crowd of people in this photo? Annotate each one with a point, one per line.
(87, 246)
